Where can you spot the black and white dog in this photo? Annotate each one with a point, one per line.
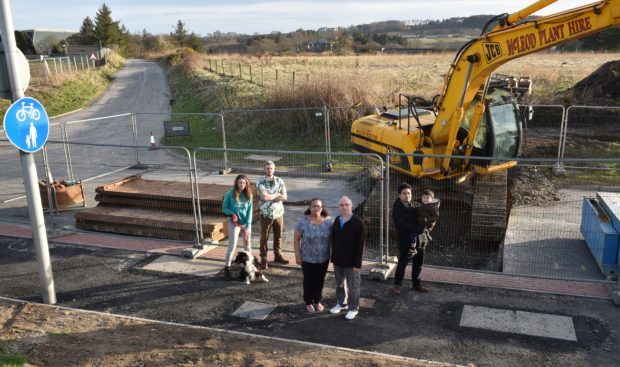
(249, 269)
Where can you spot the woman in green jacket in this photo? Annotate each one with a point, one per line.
(238, 207)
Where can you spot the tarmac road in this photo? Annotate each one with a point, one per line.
(415, 325)
(140, 87)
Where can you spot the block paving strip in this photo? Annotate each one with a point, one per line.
(429, 273)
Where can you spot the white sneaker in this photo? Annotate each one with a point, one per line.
(351, 315)
(337, 308)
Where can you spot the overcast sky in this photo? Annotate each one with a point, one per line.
(250, 16)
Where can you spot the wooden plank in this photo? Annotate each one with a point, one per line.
(143, 231)
(150, 218)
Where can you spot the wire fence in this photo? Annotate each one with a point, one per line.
(48, 69)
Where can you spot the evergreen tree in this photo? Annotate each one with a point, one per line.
(180, 34)
(195, 42)
(86, 36)
(107, 31)
(24, 43)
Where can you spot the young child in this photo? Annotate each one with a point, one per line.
(428, 213)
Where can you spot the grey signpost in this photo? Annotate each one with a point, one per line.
(32, 115)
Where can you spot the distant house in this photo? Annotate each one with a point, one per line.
(319, 46)
(329, 29)
(45, 39)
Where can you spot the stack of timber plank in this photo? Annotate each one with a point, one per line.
(155, 208)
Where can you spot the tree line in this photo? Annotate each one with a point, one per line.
(104, 31)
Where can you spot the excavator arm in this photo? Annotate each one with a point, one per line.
(508, 40)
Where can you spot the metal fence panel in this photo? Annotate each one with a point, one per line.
(592, 132)
(543, 131)
(205, 129)
(522, 222)
(268, 128)
(146, 210)
(358, 176)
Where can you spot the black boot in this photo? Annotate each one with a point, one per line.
(227, 272)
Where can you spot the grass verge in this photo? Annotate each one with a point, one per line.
(74, 93)
(11, 360)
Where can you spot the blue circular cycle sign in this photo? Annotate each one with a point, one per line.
(26, 125)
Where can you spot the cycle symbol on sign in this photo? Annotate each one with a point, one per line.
(29, 111)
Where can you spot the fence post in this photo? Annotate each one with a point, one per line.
(63, 131)
(381, 216)
(51, 200)
(240, 76)
(293, 78)
(193, 181)
(251, 81)
(558, 168)
(387, 207)
(46, 70)
(223, 69)
(134, 128)
(226, 169)
(262, 76)
(55, 67)
(276, 76)
(61, 69)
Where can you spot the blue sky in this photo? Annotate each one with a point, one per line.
(250, 16)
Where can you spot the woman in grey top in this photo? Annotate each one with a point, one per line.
(312, 235)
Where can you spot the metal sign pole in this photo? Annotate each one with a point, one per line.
(29, 169)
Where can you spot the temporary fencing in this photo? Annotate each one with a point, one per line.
(591, 132)
(359, 176)
(541, 212)
(525, 222)
(543, 129)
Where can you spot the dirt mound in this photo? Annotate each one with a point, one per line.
(601, 88)
(528, 185)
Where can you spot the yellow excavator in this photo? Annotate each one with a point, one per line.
(475, 114)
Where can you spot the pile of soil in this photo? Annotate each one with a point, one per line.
(601, 88)
(531, 186)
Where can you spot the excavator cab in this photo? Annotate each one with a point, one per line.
(500, 130)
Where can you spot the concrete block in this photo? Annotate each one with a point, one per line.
(382, 271)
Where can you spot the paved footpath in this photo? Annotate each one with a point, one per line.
(430, 273)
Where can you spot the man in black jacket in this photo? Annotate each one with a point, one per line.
(405, 216)
(348, 238)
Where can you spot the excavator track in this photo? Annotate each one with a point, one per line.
(489, 210)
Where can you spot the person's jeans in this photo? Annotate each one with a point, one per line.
(265, 227)
(234, 232)
(352, 280)
(416, 265)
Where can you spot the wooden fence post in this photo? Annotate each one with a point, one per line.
(251, 81)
